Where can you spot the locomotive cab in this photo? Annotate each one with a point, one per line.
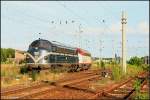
(37, 53)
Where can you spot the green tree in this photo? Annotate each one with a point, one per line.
(3, 55)
(135, 61)
(7, 53)
(10, 53)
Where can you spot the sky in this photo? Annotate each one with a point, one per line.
(92, 25)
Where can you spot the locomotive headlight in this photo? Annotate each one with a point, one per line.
(36, 53)
(45, 57)
(27, 57)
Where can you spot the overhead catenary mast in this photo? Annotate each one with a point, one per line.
(79, 36)
(123, 22)
(100, 50)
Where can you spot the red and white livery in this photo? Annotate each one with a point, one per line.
(85, 59)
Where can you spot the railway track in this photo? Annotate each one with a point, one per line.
(123, 90)
(44, 87)
(60, 86)
(64, 90)
(75, 88)
(18, 91)
(145, 86)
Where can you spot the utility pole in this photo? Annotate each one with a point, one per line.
(100, 52)
(100, 49)
(113, 50)
(86, 44)
(123, 22)
(79, 36)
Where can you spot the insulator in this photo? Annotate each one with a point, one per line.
(73, 21)
(52, 22)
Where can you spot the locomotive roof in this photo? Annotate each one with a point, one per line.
(58, 44)
(84, 52)
(41, 43)
(47, 44)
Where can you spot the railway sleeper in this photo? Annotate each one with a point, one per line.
(120, 91)
(36, 93)
(77, 88)
(114, 96)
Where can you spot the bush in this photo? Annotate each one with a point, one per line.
(116, 72)
(142, 96)
(23, 70)
(135, 61)
(34, 75)
(137, 87)
(133, 70)
(145, 67)
(7, 53)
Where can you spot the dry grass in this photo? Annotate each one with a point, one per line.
(47, 75)
(133, 70)
(10, 75)
(9, 70)
(95, 66)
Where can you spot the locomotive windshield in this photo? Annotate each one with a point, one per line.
(45, 44)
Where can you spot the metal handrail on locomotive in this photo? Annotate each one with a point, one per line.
(45, 54)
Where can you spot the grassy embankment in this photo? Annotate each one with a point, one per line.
(11, 75)
(131, 70)
(117, 74)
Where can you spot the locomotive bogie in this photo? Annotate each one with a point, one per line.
(68, 66)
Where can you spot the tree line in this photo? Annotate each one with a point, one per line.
(7, 53)
(136, 61)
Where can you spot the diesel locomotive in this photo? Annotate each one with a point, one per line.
(43, 54)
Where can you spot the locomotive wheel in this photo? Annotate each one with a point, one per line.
(70, 69)
(29, 69)
(86, 67)
(39, 68)
(73, 68)
(76, 68)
